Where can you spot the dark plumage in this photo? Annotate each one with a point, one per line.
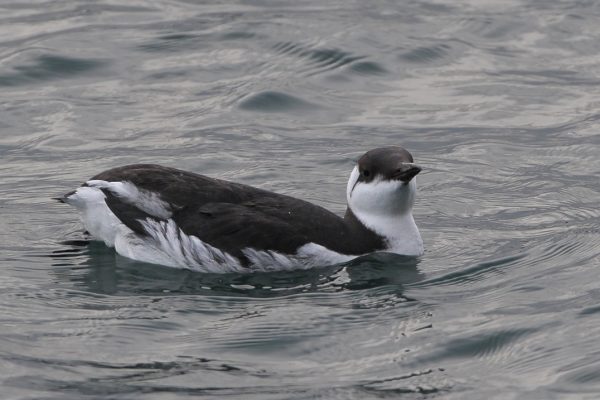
(188, 220)
(231, 216)
(386, 164)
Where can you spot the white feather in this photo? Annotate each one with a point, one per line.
(145, 200)
(168, 245)
(97, 218)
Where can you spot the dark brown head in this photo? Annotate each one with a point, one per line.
(383, 181)
(387, 163)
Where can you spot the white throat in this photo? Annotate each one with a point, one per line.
(385, 207)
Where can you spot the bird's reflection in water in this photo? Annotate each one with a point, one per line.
(93, 267)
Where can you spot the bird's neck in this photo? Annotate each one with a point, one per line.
(399, 231)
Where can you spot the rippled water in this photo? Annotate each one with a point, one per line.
(499, 101)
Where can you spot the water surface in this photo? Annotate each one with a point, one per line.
(497, 100)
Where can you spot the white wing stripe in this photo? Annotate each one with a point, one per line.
(145, 200)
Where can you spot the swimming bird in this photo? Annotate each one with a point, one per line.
(176, 218)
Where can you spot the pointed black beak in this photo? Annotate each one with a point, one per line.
(406, 172)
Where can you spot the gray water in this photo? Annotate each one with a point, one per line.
(498, 101)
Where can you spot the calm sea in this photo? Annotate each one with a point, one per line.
(499, 101)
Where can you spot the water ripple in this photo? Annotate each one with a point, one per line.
(270, 101)
(475, 273)
(49, 67)
(425, 54)
(323, 60)
(496, 100)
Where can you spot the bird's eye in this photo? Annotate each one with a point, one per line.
(366, 173)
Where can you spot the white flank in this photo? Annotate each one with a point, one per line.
(170, 246)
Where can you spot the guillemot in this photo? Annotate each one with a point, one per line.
(167, 216)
